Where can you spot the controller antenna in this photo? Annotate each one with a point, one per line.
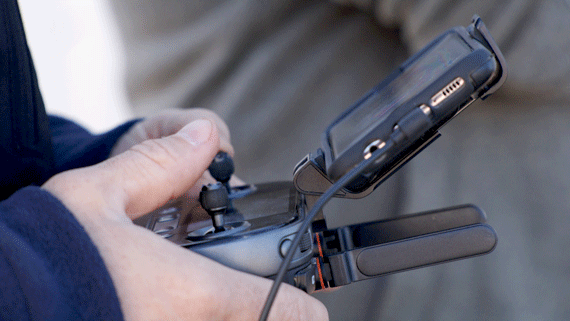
(215, 200)
(222, 168)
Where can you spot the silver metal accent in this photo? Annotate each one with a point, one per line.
(218, 220)
(167, 218)
(169, 210)
(425, 109)
(447, 91)
(164, 230)
(372, 147)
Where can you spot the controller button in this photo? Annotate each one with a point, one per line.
(284, 247)
(169, 210)
(167, 218)
(305, 242)
(164, 230)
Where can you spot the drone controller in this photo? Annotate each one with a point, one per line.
(260, 221)
(253, 228)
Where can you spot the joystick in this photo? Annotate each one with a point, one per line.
(214, 199)
(222, 169)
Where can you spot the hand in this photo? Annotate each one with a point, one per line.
(154, 278)
(169, 122)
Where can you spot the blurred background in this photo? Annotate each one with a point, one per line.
(280, 71)
(79, 60)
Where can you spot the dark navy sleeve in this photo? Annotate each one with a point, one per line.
(49, 268)
(74, 146)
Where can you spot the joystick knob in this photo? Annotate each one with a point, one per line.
(222, 168)
(215, 200)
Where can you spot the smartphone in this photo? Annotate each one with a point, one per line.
(408, 108)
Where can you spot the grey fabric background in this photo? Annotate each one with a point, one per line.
(279, 71)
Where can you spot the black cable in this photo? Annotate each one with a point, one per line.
(325, 197)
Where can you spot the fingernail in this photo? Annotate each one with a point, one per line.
(197, 132)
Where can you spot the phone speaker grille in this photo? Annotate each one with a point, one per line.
(447, 91)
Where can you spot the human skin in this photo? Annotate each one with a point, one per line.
(154, 278)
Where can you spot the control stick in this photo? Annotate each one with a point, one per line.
(215, 200)
(222, 169)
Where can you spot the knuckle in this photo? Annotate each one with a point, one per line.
(156, 156)
(155, 150)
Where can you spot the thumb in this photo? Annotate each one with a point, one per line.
(155, 171)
